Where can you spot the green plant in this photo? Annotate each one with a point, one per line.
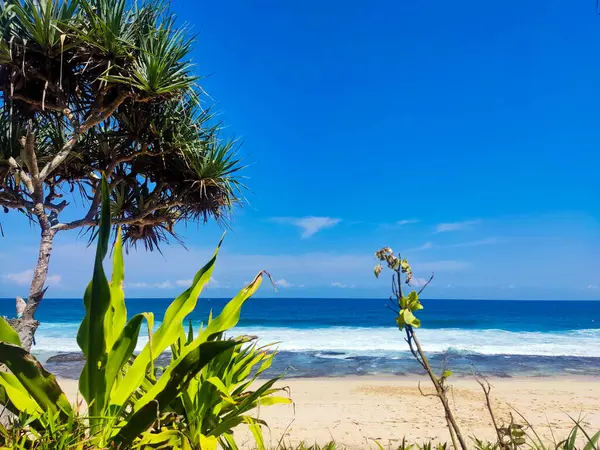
(124, 397)
(408, 322)
(220, 396)
(105, 86)
(26, 432)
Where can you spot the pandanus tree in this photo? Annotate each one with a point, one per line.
(92, 87)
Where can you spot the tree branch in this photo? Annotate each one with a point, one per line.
(22, 174)
(426, 284)
(90, 122)
(140, 219)
(38, 103)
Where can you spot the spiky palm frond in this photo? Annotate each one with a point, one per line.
(43, 21)
(116, 75)
(160, 66)
(109, 27)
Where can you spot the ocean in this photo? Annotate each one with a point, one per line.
(339, 337)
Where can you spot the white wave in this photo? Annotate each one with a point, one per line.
(381, 341)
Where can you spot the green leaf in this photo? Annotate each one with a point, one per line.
(591, 444)
(216, 382)
(403, 302)
(208, 442)
(400, 321)
(8, 333)
(16, 394)
(92, 337)
(447, 374)
(268, 401)
(117, 313)
(167, 334)
(257, 433)
(123, 348)
(409, 318)
(39, 383)
(230, 315)
(168, 386)
(413, 298)
(168, 438)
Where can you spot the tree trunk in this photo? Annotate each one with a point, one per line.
(27, 325)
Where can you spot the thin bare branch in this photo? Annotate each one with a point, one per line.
(423, 393)
(426, 284)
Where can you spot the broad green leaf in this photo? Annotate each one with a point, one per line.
(208, 442)
(167, 387)
(167, 334)
(268, 401)
(228, 437)
(117, 313)
(123, 348)
(257, 433)
(169, 439)
(409, 318)
(403, 302)
(400, 321)
(39, 383)
(230, 315)
(6, 402)
(447, 374)
(216, 382)
(8, 333)
(18, 395)
(413, 298)
(91, 336)
(249, 402)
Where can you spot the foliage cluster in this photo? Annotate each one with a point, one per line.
(194, 402)
(91, 87)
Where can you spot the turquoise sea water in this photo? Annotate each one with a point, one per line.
(327, 337)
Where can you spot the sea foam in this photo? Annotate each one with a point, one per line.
(53, 338)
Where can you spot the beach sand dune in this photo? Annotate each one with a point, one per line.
(355, 411)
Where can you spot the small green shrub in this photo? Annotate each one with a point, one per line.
(220, 396)
(125, 398)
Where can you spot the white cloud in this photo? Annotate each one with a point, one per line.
(309, 225)
(593, 286)
(24, 278)
(488, 241)
(407, 221)
(21, 278)
(187, 283)
(143, 284)
(456, 226)
(429, 245)
(337, 284)
(418, 282)
(53, 280)
(283, 283)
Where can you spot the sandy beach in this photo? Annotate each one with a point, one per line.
(354, 411)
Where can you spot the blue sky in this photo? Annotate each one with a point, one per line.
(465, 135)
